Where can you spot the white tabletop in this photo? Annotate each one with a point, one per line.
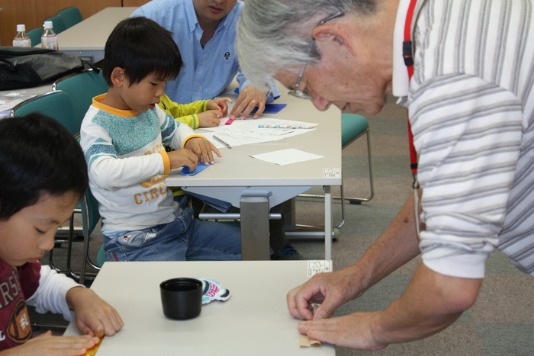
(237, 175)
(88, 38)
(254, 321)
(237, 170)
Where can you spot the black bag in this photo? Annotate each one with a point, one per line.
(22, 67)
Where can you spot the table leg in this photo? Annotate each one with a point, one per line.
(327, 223)
(255, 228)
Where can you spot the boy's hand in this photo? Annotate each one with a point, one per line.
(47, 344)
(182, 157)
(203, 149)
(220, 104)
(210, 118)
(94, 316)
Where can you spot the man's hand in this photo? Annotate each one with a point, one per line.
(330, 290)
(248, 99)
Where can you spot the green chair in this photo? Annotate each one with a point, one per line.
(82, 87)
(55, 104)
(35, 35)
(58, 105)
(90, 219)
(70, 16)
(59, 25)
(353, 126)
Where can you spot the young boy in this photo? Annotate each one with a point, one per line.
(43, 177)
(123, 136)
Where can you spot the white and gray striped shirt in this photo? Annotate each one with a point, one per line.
(471, 107)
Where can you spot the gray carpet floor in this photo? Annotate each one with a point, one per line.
(502, 320)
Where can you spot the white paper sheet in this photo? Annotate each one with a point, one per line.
(243, 132)
(287, 156)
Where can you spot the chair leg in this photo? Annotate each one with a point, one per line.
(358, 200)
(351, 200)
(58, 243)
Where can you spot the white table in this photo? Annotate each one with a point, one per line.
(255, 185)
(10, 98)
(254, 321)
(87, 39)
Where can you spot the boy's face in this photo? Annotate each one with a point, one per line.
(29, 233)
(141, 96)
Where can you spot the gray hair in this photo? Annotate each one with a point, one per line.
(276, 34)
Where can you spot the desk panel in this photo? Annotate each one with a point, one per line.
(254, 321)
(88, 38)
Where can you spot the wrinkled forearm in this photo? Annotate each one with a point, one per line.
(431, 303)
(396, 246)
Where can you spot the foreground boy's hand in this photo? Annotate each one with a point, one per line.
(49, 345)
(203, 149)
(94, 316)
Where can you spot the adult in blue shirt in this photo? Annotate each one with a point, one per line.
(205, 31)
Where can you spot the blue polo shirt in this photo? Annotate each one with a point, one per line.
(207, 71)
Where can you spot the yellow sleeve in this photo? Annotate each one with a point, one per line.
(185, 113)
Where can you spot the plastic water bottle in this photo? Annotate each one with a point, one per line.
(21, 39)
(49, 37)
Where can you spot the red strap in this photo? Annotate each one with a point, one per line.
(407, 53)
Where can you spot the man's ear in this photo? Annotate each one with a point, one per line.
(117, 77)
(337, 33)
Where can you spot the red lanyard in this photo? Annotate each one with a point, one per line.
(407, 54)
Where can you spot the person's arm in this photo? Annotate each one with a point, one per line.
(184, 113)
(250, 97)
(93, 315)
(432, 302)
(50, 295)
(396, 246)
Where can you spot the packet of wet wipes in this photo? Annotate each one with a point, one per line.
(213, 290)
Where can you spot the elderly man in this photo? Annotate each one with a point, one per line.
(205, 32)
(465, 71)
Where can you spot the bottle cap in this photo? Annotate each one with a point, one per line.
(21, 28)
(48, 25)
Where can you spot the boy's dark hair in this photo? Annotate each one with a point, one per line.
(37, 156)
(140, 46)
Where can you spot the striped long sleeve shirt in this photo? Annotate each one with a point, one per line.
(471, 108)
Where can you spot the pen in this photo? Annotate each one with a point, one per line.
(283, 126)
(222, 141)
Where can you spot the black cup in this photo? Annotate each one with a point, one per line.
(181, 298)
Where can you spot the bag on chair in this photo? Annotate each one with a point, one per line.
(22, 67)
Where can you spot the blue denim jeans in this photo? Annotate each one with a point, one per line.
(184, 239)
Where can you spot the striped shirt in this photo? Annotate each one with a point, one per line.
(471, 107)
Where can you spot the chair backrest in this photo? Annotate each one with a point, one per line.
(59, 25)
(35, 35)
(55, 104)
(352, 127)
(70, 16)
(82, 87)
(90, 213)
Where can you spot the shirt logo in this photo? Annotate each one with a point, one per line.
(19, 329)
(226, 55)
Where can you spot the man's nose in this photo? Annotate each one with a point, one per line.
(320, 103)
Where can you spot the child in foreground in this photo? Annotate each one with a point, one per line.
(124, 135)
(43, 177)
